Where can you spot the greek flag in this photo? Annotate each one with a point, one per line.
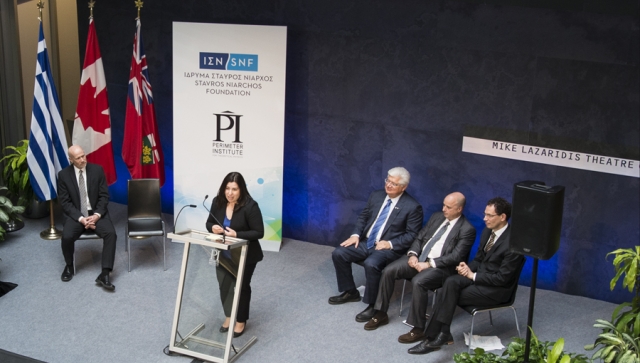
(47, 153)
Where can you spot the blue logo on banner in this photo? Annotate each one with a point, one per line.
(229, 61)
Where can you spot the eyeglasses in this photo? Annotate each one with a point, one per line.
(395, 185)
(490, 215)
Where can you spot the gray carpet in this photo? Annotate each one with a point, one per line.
(53, 321)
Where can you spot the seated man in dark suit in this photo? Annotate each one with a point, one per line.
(84, 197)
(485, 281)
(384, 230)
(442, 244)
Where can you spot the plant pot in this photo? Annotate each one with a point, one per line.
(13, 226)
(36, 209)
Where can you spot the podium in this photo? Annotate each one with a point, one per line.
(199, 314)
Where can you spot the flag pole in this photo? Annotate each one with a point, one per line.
(51, 233)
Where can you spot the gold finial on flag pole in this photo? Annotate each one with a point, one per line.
(40, 6)
(91, 5)
(139, 6)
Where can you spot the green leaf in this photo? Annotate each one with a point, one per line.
(4, 217)
(554, 354)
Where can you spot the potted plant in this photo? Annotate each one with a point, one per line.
(619, 341)
(541, 352)
(9, 214)
(16, 177)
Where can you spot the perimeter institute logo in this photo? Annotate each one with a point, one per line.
(227, 125)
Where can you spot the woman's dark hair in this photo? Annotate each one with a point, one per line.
(234, 176)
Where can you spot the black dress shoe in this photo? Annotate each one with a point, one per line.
(381, 318)
(345, 297)
(67, 274)
(422, 348)
(103, 280)
(366, 315)
(440, 340)
(224, 329)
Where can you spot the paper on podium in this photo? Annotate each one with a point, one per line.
(486, 343)
(213, 237)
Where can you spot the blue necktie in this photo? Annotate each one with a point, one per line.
(432, 241)
(379, 223)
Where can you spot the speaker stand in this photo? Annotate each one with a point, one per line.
(532, 299)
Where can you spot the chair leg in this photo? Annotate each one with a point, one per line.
(471, 333)
(490, 318)
(404, 284)
(128, 250)
(164, 251)
(516, 317)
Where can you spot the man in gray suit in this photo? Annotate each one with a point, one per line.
(441, 245)
(384, 230)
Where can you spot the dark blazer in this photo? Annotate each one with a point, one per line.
(247, 222)
(496, 270)
(457, 246)
(69, 194)
(402, 226)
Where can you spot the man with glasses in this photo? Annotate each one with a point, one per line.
(487, 280)
(384, 231)
(441, 245)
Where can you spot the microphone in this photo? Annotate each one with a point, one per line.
(183, 207)
(214, 217)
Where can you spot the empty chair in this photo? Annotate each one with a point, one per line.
(144, 214)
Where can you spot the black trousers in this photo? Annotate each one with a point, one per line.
(227, 282)
(104, 229)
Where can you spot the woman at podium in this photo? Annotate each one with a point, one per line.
(241, 218)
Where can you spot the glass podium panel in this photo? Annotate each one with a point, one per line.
(199, 312)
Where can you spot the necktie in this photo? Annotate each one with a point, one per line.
(379, 223)
(492, 241)
(436, 237)
(83, 195)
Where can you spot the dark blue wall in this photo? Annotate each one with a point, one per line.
(373, 84)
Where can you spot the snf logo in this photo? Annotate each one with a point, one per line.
(229, 61)
(231, 121)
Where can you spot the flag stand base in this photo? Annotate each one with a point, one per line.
(51, 233)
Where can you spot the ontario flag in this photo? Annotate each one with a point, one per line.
(141, 150)
(92, 126)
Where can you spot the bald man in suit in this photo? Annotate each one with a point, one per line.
(78, 181)
(441, 245)
(487, 280)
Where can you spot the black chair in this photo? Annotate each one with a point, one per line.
(473, 310)
(144, 214)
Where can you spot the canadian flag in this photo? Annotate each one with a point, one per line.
(92, 126)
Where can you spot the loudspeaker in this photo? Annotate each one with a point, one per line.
(536, 219)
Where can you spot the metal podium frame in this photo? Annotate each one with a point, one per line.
(189, 237)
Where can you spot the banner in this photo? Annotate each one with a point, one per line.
(229, 90)
(551, 156)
